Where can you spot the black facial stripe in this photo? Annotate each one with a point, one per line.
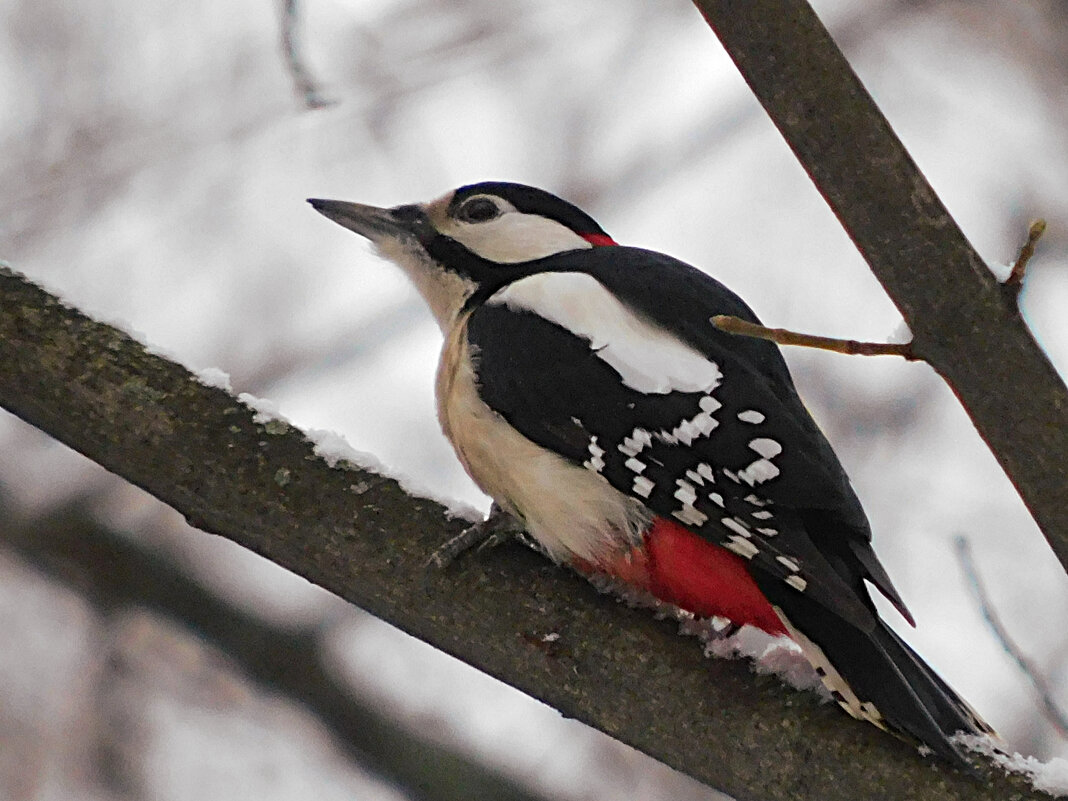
(529, 200)
(490, 276)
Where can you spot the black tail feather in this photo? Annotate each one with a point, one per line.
(874, 675)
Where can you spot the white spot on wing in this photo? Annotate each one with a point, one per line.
(797, 583)
(758, 472)
(687, 514)
(788, 563)
(763, 514)
(716, 498)
(768, 448)
(741, 546)
(636, 442)
(709, 404)
(751, 416)
(596, 460)
(634, 465)
(685, 493)
(643, 486)
(735, 525)
(648, 358)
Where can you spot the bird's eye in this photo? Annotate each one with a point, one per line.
(478, 209)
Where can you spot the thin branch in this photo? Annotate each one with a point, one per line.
(362, 537)
(1014, 283)
(1054, 714)
(306, 86)
(851, 347)
(114, 573)
(782, 336)
(953, 305)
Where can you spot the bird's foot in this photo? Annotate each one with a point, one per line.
(496, 529)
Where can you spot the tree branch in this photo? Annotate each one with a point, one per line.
(303, 82)
(963, 322)
(360, 536)
(783, 336)
(1052, 710)
(1014, 283)
(113, 574)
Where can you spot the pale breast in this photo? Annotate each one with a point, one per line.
(571, 511)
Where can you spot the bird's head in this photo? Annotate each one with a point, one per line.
(472, 240)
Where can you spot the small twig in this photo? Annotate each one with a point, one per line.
(1054, 714)
(1014, 283)
(302, 79)
(781, 336)
(736, 325)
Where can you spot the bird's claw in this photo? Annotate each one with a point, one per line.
(498, 528)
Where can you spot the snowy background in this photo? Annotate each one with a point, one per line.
(154, 162)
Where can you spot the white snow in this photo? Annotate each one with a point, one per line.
(335, 450)
(1048, 777)
(214, 377)
(1001, 271)
(266, 411)
(900, 334)
(767, 654)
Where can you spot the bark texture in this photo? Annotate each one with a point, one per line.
(360, 536)
(966, 325)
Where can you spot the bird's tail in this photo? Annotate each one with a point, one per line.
(876, 677)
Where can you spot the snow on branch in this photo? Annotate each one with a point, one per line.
(359, 535)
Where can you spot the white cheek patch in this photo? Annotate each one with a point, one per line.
(649, 359)
(514, 237)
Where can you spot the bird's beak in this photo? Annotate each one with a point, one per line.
(401, 222)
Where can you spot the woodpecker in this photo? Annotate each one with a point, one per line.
(585, 389)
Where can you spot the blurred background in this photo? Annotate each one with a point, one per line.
(155, 158)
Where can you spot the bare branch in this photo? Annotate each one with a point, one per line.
(114, 573)
(1014, 283)
(305, 85)
(963, 323)
(851, 347)
(782, 336)
(360, 536)
(1054, 714)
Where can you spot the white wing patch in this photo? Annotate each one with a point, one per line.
(649, 359)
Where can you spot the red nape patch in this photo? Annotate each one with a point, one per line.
(681, 568)
(599, 240)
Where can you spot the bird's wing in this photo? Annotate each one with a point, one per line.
(702, 427)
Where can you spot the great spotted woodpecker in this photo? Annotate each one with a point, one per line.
(585, 389)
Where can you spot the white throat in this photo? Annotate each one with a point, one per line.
(444, 291)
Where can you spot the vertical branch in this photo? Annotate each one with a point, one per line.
(305, 85)
(962, 321)
(1054, 714)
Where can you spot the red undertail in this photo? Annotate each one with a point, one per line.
(681, 568)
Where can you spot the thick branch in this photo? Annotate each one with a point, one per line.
(963, 323)
(114, 573)
(358, 535)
